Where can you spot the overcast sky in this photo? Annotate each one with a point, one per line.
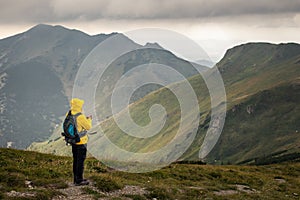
(214, 24)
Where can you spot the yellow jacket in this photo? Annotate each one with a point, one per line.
(83, 123)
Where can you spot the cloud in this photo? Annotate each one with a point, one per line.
(67, 10)
(166, 9)
(216, 24)
(16, 11)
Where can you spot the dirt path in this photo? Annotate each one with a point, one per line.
(80, 192)
(73, 192)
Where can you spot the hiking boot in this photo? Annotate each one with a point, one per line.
(84, 182)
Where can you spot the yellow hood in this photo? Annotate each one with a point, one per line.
(76, 105)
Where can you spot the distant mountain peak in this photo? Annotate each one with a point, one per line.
(153, 45)
(42, 27)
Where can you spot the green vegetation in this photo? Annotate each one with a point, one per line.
(260, 126)
(263, 95)
(263, 111)
(88, 190)
(106, 183)
(31, 172)
(50, 174)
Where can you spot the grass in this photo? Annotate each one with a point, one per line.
(270, 128)
(49, 173)
(90, 191)
(106, 183)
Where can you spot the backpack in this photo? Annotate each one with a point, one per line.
(70, 129)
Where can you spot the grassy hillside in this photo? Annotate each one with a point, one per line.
(261, 125)
(251, 68)
(131, 61)
(262, 88)
(261, 78)
(30, 175)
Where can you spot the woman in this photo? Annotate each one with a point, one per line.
(79, 149)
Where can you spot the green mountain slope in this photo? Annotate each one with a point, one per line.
(243, 85)
(131, 60)
(262, 88)
(250, 68)
(31, 175)
(259, 126)
(262, 124)
(249, 71)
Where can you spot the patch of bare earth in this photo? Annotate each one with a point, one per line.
(77, 192)
(239, 188)
(20, 194)
(73, 192)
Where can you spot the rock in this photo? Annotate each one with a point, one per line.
(29, 184)
(250, 109)
(246, 189)
(14, 193)
(280, 180)
(225, 192)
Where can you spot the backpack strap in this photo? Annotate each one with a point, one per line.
(82, 133)
(77, 114)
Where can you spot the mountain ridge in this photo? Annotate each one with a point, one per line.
(54, 53)
(42, 60)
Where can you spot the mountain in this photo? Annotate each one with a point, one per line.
(263, 94)
(152, 45)
(37, 73)
(129, 62)
(37, 70)
(262, 88)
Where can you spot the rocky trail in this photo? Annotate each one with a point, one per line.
(90, 192)
(87, 192)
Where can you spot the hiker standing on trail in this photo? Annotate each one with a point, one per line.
(79, 142)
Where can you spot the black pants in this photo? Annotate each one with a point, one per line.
(79, 155)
